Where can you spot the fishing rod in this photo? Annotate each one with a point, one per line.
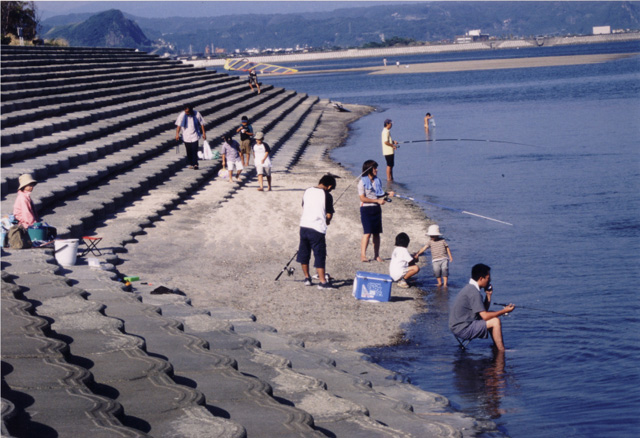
(539, 310)
(444, 207)
(470, 139)
(286, 268)
(350, 184)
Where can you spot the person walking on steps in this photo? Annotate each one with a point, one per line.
(261, 152)
(253, 80)
(246, 132)
(317, 212)
(191, 123)
(470, 317)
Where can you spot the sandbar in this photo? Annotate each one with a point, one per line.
(480, 64)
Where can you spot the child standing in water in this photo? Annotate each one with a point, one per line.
(440, 255)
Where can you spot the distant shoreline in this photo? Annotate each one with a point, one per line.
(388, 52)
(482, 64)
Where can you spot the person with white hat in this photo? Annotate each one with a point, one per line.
(23, 209)
(261, 152)
(440, 255)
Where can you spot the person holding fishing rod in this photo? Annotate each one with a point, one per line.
(317, 212)
(470, 317)
(372, 197)
(389, 147)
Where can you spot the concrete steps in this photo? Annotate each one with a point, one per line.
(83, 355)
(121, 368)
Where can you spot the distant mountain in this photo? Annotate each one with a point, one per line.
(107, 29)
(354, 27)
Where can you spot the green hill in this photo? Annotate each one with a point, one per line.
(107, 29)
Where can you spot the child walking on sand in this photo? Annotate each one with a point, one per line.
(403, 264)
(440, 255)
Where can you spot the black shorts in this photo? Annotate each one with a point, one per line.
(390, 160)
(312, 240)
(371, 218)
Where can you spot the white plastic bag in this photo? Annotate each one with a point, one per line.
(207, 154)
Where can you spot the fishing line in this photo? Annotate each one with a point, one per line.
(539, 310)
(470, 139)
(457, 210)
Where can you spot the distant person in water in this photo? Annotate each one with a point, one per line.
(428, 121)
(470, 317)
(389, 147)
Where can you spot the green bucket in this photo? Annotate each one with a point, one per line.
(38, 233)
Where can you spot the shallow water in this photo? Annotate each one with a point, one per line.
(572, 195)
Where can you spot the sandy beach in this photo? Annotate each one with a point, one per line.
(229, 254)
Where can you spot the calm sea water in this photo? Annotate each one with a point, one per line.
(572, 195)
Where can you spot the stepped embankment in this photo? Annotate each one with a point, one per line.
(228, 351)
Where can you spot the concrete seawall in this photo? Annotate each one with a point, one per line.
(417, 50)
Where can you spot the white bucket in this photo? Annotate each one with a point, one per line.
(66, 251)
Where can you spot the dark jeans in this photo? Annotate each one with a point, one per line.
(192, 153)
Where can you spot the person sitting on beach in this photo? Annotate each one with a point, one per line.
(262, 161)
(403, 264)
(440, 255)
(317, 212)
(231, 158)
(371, 198)
(24, 210)
(470, 317)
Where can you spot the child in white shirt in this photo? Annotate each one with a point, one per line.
(403, 264)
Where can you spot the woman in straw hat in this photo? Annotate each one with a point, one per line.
(23, 209)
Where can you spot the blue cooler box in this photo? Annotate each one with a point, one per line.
(370, 286)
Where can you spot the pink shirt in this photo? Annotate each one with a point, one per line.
(23, 209)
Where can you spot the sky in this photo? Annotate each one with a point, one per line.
(211, 8)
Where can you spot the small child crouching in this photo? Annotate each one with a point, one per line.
(403, 264)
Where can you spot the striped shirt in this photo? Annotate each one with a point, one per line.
(438, 249)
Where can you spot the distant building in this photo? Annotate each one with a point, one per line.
(471, 36)
(601, 30)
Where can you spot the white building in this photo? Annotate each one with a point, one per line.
(601, 30)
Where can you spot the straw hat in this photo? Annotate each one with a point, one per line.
(25, 180)
(259, 136)
(433, 230)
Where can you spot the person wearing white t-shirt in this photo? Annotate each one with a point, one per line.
(317, 212)
(403, 264)
(262, 161)
(191, 123)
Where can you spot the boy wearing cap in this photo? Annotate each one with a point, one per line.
(246, 132)
(440, 255)
(262, 161)
(389, 147)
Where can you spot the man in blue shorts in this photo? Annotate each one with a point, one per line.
(317, 211)
(470, 317)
